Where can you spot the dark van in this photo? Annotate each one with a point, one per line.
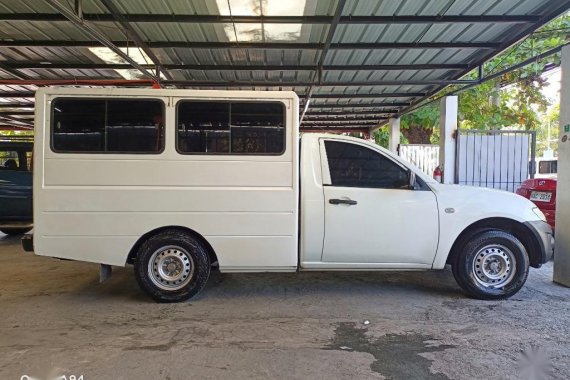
(15, 184)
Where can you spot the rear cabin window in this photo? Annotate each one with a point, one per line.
(230, 128)
(548, 167)
(107, 126)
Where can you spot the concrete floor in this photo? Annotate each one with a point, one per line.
(56, 319)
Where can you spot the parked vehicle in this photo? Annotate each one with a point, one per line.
(15, 184)
(177, 182)
(542, 192)
(547, 167)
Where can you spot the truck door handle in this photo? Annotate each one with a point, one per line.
(349, 202)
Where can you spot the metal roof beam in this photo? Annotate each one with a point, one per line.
(316, 96)
(100, 37)
(11, 127)
(353, 118)
(361, 105)
(257, 45)
(342, 122)
(349, 113)
(319, 72)
(367, 96)
(347, 129)
(344, 116)
(132, 33)
(18, 94)
(116, 66)
(16, 113)
(6, 68)
(427, 82)
(12, 119)
(223, 19)
(16, 105)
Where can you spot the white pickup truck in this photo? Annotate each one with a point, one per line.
(179, 182)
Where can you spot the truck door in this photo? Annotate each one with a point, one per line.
(371, 214)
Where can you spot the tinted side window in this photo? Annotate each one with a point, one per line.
(107, 126)
(10, 160)
(231, 127)
(353, 165)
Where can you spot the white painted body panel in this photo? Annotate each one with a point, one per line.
(371, 231)
(94, 207)
(469, 204)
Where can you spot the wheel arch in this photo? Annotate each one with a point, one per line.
(134, 250)
(516, 228)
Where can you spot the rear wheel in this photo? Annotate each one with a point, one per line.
(15, 230)
(491, 265)
(172, 266)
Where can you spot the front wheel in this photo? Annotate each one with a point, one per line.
(172, 266)
(492, 265)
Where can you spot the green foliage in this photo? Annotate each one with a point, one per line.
(425, 117)
(381, 137)
(17, 133)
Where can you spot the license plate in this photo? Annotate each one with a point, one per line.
(540, 196)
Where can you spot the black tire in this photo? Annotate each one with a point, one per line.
(492, 265)
(12, 231)
(189, 260)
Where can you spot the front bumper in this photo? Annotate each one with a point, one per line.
(544, 238)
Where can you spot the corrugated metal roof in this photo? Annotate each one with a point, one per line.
(193, 37)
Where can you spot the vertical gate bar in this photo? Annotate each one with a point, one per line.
(463, 179)
(512, 178)
(480, 158)
(487, 162)
(507, 164)
(501, 162)
(494, 159)
(533, 154)
(474, 155)
(457, 158)
(514, 162)
(522, 163)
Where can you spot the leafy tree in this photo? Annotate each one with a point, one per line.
(382, 136)
(418, 126)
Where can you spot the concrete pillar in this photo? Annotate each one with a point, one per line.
(447, 131)
(370, 136)
(394, 134)
(562, 246)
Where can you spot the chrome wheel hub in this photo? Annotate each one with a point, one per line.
(171, 268)
(494, 266)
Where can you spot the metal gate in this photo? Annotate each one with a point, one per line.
(424, 156)
(499, 159)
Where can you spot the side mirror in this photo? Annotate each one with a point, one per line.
(411, 180)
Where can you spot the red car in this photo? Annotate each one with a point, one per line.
(542, 191)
